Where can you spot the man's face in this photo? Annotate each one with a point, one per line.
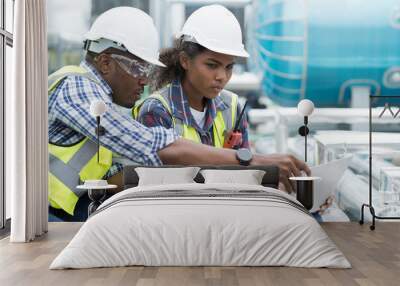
(121, 70)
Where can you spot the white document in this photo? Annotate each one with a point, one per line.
(330, 174)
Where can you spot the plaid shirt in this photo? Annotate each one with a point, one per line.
(70, 121)
(153, 113)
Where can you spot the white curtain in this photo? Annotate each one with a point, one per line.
(26, 123)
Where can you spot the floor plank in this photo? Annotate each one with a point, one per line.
(374, 255)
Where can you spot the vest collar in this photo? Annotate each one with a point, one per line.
(102, 83)
(180, 107)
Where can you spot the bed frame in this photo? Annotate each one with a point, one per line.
(270, 179)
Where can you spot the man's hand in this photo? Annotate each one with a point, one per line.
(288, 166)
(186, 152)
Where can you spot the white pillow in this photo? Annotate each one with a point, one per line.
(166, 176)
(248, 177)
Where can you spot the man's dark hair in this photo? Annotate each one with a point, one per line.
(89, 57)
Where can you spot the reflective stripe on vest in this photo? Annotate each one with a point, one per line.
(57, 77)
(70, 165)
(223, 121)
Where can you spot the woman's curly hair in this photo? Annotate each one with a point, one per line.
(161, 76)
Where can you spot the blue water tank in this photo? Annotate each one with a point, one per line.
(320, 49)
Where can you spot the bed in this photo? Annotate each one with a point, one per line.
(201, 224)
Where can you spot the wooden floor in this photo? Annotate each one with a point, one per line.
(374, 255)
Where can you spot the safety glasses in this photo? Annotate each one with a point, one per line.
(133, 67)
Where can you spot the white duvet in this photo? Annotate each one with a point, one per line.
(248, 225)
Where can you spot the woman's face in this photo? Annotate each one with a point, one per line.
(208, 72)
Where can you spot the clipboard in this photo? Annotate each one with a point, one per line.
(330, 174)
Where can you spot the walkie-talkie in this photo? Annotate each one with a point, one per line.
(234, 137)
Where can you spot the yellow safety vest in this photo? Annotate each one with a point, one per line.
(223, 121)
(72, 164)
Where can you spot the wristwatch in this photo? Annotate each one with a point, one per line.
(244, 156)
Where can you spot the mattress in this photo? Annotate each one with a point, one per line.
(201, 225)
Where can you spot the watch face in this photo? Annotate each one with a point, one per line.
(244, 155)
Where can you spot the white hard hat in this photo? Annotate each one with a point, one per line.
(215, 28)
(125, 28)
